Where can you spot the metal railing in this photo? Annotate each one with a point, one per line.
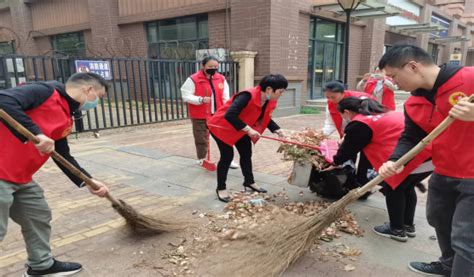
(141, 91)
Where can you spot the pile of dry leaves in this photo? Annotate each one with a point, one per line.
(304, 155)
(243, 218)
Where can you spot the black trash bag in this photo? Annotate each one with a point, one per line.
(332, 184)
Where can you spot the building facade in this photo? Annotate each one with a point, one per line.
(302, 39)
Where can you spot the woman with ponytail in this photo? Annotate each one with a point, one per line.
(375, 132)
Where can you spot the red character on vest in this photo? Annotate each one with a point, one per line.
(451, 187)
(239, 122)
(375, 132)
(45, 109)
(205, 92)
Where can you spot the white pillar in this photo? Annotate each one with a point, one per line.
(246, 60)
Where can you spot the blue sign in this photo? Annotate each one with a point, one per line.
(455, 62)
(101, 68)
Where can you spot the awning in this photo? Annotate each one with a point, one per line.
(418, 28)
(367, 9)
(451, 39)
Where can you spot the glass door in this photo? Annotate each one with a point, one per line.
(324, 50)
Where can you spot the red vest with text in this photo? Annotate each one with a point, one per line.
(453, 150)
(336, 116)
(202, 88)
(388, 96)
(19, 161)
(222, 129)
(386, 130)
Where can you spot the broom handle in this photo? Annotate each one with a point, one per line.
(413, 152)
(26, 133)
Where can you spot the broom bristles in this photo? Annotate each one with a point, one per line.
(287, 244)
(143, 223)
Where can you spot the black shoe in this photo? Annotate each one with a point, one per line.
(386, 231)
(410, 230)
(223, 199)
(251, 187)
(433, 269)
(57, 269)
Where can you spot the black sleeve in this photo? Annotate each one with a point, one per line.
(238, 104)
(62, 147)
(357, 136)
(412, 134)
(17, 100)
(272, 126)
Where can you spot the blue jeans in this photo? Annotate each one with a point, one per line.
(450, 210)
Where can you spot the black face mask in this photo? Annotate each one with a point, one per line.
(211, 71)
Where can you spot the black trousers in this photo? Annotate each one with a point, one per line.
(401, 201)
(244, 146)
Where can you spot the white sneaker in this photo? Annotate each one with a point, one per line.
(233, 165)
(199, 162)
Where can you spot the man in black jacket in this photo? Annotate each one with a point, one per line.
(45, 109)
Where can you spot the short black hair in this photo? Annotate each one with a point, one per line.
(334, 86)
(209, 58)
(87, 78)
(275, 81)
(399, 55)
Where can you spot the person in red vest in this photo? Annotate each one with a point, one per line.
(239, 122)
(335, 92)
(45, 109)
(379, 86)
(375, 132)
(450, 203)
(205, 92)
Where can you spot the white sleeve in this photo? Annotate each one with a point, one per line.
(361, 85)
(226, 94)
(390, 85)
(187, 93)
(329, 126)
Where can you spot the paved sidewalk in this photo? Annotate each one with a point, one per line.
(153, 166)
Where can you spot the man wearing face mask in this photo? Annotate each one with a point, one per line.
(205, 92)
(45, 109)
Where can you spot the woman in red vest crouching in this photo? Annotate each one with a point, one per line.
(335, 92)
(239, 122)
(375, 132)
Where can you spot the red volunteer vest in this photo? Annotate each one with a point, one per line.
(453, 150)
(386, 130)
(222, 129)
(336, 116)
(202, 88)
(19, 161)
(388, 97)
(422, 112)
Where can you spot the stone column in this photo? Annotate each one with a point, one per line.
(246, 60)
